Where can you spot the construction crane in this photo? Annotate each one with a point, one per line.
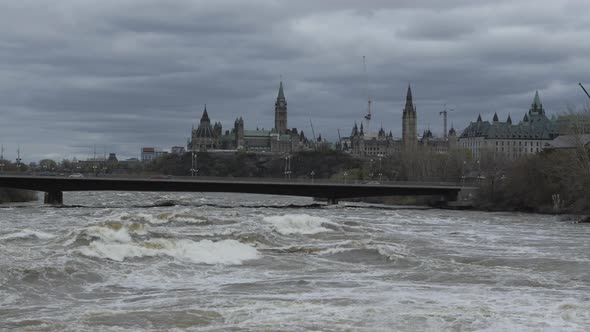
(581, 86)
(315, 142)
(444, 114)
(368, 115)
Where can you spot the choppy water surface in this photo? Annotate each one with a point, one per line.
(224, 262)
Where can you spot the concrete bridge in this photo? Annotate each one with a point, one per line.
(54, 186)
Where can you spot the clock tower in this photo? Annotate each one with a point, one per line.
(281, 112)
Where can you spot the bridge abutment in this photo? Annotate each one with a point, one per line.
(54, 198)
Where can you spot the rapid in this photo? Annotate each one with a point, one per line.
(112, 261)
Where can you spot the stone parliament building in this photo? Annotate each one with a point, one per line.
(278, 140)
(364, 144)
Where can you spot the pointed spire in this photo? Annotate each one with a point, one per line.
(536, 107)
(537, 100)
(205, 117)
(479, 118)
(362, 132)
(495, 117)
(281, 92)
(526, 118)
(409, 102)
(509, 120)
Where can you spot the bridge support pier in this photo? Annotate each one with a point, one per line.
(332, 201)
(452, 197)
(54, 198)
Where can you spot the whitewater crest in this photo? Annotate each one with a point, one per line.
(299, 224)
(27, 234)
(120, 243)
(182, 216)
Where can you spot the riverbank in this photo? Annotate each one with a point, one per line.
(10, 195)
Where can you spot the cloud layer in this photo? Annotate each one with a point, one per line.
(122, 74)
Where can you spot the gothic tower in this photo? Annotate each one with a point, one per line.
(281, 112)
(409, 123)
(239, 133)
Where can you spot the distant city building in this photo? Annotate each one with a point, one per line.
(130, 161)
(568, 142)
(362, 144)
(178, 150)
(278, 140)
(150, 153)
(511, 140)
(112, 158)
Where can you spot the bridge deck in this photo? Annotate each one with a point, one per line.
(330, 190)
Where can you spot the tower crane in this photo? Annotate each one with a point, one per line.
(581, 86)
(368, 115)
(444, 114)
(315, 142)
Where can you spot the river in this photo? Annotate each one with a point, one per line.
(232, 262)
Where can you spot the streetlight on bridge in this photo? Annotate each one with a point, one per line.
(380, 156)
(345, 174)
(194, 170)
(288, 167)
(312, 174)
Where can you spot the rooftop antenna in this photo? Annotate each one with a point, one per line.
(368, 116)
(2, 152)
(581, 86)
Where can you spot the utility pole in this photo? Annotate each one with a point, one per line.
(444, 114)
(18, 159)
(581, 86)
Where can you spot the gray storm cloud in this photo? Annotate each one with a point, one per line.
(125, 74)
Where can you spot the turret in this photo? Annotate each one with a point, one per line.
(536, 106)
(452, 138)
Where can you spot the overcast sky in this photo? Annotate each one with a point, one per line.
(122, 74)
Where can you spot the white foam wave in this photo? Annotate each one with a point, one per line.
(298, 224)
(27, 233)
(118, 244)
(110, 235)
(184, 216)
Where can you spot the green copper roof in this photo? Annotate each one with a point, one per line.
(281, 93)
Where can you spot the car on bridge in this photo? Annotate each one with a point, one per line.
(76, 175)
